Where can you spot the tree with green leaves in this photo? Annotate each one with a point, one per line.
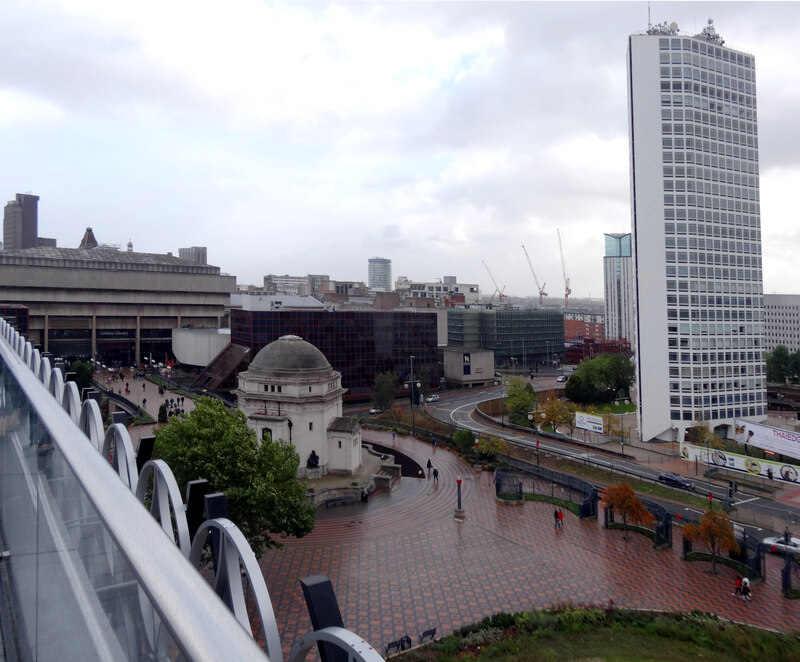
(558, 413)
(384, 390)
(715, 532)
(83, 374)
(463, 440)
(600, 379)
(259, 479)
(520, 397)
(778, 364)
(490, 447)
(624, 501)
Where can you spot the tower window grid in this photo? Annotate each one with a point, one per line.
(712, 236)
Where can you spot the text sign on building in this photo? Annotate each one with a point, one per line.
(588, 422)
(771, 439)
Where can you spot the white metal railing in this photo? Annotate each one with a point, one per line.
(121, 590)
(91, 572)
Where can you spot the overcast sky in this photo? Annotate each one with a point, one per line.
(306, 138)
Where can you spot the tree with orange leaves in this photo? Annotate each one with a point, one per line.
(715, 532)
(624, 501)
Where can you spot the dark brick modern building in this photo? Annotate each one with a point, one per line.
(359, 344)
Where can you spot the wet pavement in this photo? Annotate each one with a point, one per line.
(144, 394)
(402, 564)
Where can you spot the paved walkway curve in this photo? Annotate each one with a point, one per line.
(401, 564)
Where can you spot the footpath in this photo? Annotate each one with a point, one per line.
(144, 394)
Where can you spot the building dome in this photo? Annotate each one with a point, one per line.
(290, 356)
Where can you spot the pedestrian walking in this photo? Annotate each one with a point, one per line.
(143, 386)
(144, 403)
(394, 434)
(433, 441)
(560, 518)
(746, 589)
(737, 591)
(555, 518)
(435, 476)
(430, 466)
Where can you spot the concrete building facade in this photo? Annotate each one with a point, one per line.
(112, 305)
(438, 290)
(468, 367)
(618, 287)
(197, 254)
(21, 222)
(782, 321)
(696, 235)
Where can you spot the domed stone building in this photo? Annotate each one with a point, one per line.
(291, 392)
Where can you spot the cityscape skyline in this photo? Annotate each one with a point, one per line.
(489, 133)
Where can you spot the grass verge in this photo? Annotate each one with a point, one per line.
(605, 633)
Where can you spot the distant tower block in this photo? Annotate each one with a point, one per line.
(21, 222)
(379, 274)
(197, 254)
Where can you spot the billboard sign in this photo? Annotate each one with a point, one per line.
(770, 439)
(742, 463)
(588, 422)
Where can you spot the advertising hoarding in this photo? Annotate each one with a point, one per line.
(770, 439)
(734, 461)
(588, 422)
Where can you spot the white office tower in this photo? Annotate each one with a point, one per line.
(379, 274)
(699, 340)
(618, 288)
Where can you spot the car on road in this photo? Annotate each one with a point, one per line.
(777, 545)
(675, 480)
(376, 410)
(432, 398)
(561, 378)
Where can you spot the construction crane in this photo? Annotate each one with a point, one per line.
(496, 286)
(542, 293)
(567, 291)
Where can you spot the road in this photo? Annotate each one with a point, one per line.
(457, 409)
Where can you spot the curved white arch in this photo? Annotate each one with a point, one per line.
(163, 494)
(117, 447)
(357, 649)
(44, 371)
(91, 421)
(70, 399)
(26, 350)
(35, 360)
(55, 384)
(236, 561)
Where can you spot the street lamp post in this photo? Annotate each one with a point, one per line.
(459, 514)
(503, 402)
(536, 425)
(410, 384)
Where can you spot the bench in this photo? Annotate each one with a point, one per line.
(428, 635)
(339, 501)
(401, 644)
